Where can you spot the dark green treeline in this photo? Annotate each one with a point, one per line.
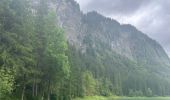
(33, 60)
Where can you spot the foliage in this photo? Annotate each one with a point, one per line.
(6, 82)
(89, 84)
(33, 58)
(149, 92)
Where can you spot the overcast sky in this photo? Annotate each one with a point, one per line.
(150, 16)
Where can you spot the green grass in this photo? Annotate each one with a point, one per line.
(96, 98)
(122, 98)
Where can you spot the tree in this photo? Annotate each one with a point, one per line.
(58, 69)
(16, 49)
(131, 93)
(149, 92)
(50, 49)
(89, 84)
(6, 82)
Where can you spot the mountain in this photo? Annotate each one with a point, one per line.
(51, 50)
(125, 40)
(113, 48)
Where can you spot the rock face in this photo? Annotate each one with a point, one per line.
(125, 40)
(69, 18)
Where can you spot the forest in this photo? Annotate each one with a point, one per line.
(38, 63)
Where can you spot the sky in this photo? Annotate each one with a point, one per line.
(152, 17)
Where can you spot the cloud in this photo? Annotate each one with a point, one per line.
(112, 6)
(150, 16)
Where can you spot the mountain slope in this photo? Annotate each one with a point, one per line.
(123, 39)
(127, 57)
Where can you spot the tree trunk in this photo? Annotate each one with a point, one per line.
(49, 92)
(23, 92)
(36, 89)
(33, 90)
(48, 96)
(42, 98)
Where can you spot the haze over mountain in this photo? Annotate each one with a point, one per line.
(150, 16)
(51, 50)
(76, 25)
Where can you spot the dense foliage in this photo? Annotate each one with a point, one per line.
(33, 60)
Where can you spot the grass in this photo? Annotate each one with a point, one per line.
(122, 98)
(94, 98)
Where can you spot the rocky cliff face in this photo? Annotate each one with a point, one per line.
(125, 40)
(69, 18)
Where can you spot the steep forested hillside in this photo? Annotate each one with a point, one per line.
(50, 50)
(122, 59)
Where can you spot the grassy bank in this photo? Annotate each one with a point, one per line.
(122, 98)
